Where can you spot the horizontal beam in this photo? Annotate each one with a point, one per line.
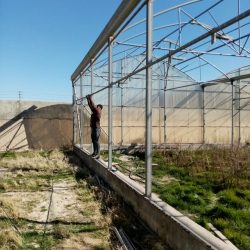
(123, 11)
(227, 80)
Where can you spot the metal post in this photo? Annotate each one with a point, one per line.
(232, 131)
(92, 76)
(121, 115)
(239, 117)
(166, 71)
(159, 107)
(110, 71)
(203, 115)
(81, 114)
(74, 114)
(149, 100)
(77, 115)
(239, 31)
(165, 113)
(121, 105)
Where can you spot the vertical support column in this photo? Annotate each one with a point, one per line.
(110, 71)
(122, 116)
(232, 114)
(149, 100)
(239, 31)
(74, 113)
(166, 71)
(203, 115)
(92, 76)
(165, 92)
(239, 115)
(121, 105)
(77, 116)
(81, 113)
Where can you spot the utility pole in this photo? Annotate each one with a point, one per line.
(19, 95)
(19, 101)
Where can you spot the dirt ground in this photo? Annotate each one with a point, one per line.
(49, 200)
(44, 204)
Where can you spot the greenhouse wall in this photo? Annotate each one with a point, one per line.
(183, 111)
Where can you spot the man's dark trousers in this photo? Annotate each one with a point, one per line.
(95, 134)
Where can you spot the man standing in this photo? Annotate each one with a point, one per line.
(95, 126)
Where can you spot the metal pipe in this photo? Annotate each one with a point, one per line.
(123, 11)
(122, 103)
(179, 19)
(203, 115)
(162, 12)
(149, 59)
(164, 97)
(225, 80)
(74, 114)
(77, 116)
(110, 69)
(239, 115)
(166, 71)
(198, 52)
(232, 114)
(92, 75)
(159, 109)
(81, 115)
(239, 31)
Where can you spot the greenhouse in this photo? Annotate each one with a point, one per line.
(173, 78)
(167, 74)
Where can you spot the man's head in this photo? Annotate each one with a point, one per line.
(99, 106)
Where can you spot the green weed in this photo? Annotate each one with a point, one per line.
(209, 185)
(8, 155)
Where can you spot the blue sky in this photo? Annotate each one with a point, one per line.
(43, 41)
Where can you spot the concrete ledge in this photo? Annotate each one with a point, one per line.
(177, 230)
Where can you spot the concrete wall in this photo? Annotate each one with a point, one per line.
(178, 231)
(35, 125)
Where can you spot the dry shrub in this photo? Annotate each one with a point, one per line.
(230, 165)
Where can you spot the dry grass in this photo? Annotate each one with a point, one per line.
(35, 160)
(8, 208)
(10, 240)
(9, 237)
(33, 171)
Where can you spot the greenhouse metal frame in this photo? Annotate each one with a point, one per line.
(139, 62)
